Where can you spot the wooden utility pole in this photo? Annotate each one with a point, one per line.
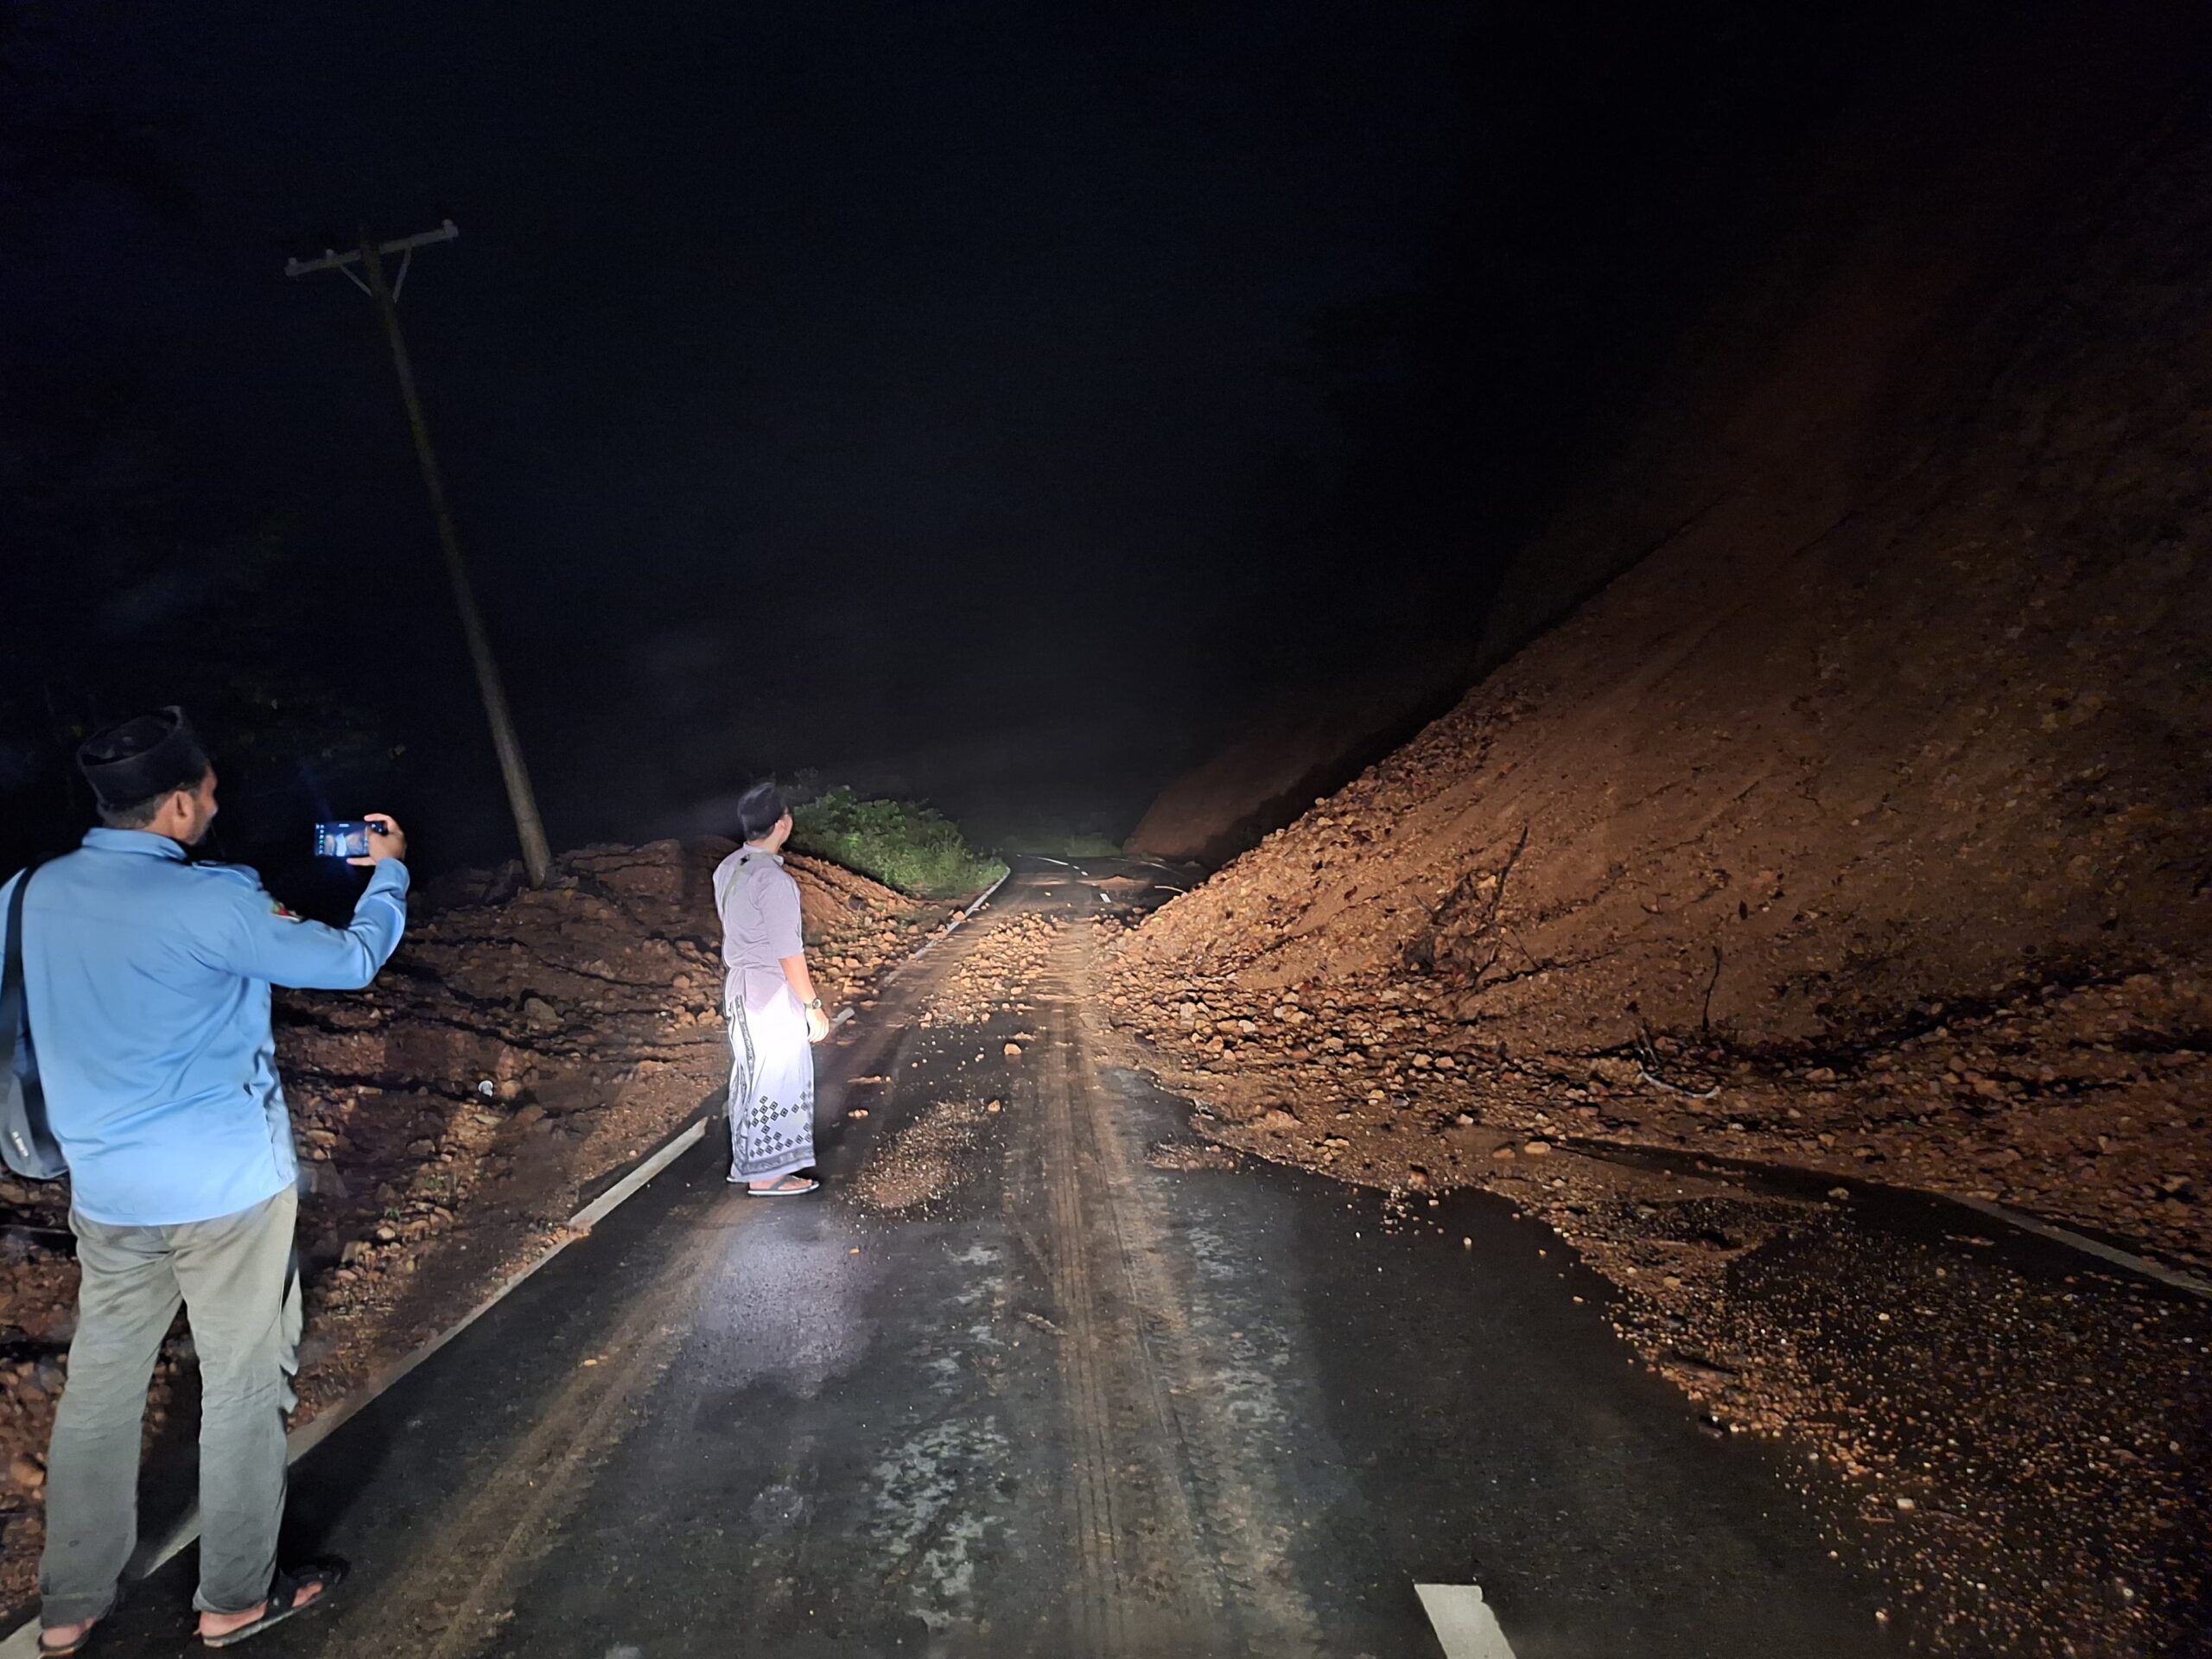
(536, 859)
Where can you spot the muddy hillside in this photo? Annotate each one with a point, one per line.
(1856, 822)
(1864, 822)
(520, 1049)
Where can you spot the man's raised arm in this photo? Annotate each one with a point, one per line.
(266, 941)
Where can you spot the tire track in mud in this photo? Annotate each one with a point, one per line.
(1110, 1512)
(1173, 1528)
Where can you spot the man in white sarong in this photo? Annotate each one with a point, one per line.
(768, 998)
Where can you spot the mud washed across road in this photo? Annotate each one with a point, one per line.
(1046, 1370)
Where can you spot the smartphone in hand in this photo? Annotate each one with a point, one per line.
(349, 840)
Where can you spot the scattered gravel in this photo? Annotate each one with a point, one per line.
(998, 972)
(924, 1161)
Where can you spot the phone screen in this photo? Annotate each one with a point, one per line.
(341, 839)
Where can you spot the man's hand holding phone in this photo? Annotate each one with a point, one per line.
(386, 840)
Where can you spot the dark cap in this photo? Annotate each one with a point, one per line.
(136, 760)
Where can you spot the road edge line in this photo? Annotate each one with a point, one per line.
(627, 1187)
(967, 913)
(2173, 1278)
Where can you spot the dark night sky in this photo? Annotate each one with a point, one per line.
(888, 390)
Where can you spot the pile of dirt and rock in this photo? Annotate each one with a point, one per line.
(1862, 827)
(521, 1047)
(1866, 821)
(2073, 1103)
(998, 972)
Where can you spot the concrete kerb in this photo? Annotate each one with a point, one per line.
(2143, 1266)
(23, 1642)
(2128, 1261)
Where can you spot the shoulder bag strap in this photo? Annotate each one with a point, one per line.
(13, 1014)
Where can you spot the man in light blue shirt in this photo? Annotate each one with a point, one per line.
(148, 981)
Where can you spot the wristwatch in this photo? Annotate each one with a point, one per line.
(813, 1005)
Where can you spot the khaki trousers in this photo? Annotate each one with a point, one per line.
(234, 1277)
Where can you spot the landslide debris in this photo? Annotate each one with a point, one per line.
(520, 1047)
(997, 974)
(1862, 827)
(1865, 824)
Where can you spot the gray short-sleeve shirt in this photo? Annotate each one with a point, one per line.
(758, 901)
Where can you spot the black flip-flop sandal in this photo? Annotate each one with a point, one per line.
(284, 1600)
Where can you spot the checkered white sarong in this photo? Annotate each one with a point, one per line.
(771, 1090)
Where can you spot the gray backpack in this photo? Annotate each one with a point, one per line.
(26, 1145)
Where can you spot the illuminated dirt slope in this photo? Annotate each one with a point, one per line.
(1863, 825)
(1900, 731)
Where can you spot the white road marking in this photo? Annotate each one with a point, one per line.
(1464, 1625)
(928, 945)
(605, 1205)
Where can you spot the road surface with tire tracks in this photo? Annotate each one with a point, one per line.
(1087, 1399)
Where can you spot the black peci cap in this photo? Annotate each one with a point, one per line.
(136, 759)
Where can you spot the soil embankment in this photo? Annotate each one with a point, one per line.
(1861, 826)
(520, 1047)
(1875, 799)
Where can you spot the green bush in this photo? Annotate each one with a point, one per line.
(899, 844)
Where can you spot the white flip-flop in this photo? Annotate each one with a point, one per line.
(783, 1189)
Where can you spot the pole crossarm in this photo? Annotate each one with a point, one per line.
(332, 259)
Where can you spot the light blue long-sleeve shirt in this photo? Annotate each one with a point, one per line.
(148, 981)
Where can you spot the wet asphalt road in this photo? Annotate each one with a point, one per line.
(1076, 1405)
